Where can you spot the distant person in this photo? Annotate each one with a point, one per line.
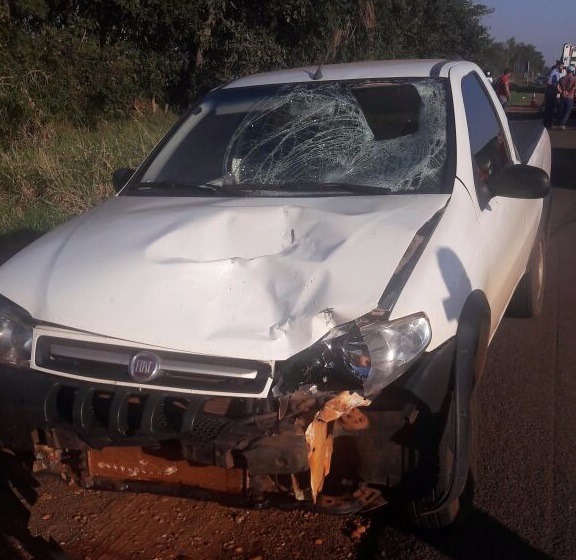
(502, 87)
(551, 94)
(566, 88)
(489, 76)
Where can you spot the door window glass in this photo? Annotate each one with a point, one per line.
(487, 140)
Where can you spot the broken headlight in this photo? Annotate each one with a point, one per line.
(377, 352)
(368, 354)
(15, 334)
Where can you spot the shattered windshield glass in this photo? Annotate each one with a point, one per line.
(327, 138)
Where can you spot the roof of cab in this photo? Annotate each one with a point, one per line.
(351, 71)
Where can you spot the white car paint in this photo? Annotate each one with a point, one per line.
(355, 70)
(255, 278)
(509, 225)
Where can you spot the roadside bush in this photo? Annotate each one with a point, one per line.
(84, 83)
(47, 177)
(526, 88)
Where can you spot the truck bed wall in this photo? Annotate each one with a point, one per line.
(527, 135)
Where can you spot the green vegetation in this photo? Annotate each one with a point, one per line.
(63, 170)
(75, 75)
(523, 59)
(83, 60)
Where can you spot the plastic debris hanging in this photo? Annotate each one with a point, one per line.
(319, 438)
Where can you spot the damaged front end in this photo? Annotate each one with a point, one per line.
(325, 437)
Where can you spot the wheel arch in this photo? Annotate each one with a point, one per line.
(471, 348)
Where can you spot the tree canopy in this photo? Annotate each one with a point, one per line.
(521, 58)
(87, 59)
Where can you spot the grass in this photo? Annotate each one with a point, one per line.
(63, 171)
(522, 94)
(524, 99)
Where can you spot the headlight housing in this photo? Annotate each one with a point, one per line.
(367, 354)
(15, 334)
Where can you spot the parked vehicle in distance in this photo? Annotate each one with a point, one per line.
(568, 54)
(290, 301)
(541, 80)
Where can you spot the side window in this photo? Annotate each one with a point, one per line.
(487, 140)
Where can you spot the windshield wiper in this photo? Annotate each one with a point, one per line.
(310, 188)
(355, 188)
(172, 188)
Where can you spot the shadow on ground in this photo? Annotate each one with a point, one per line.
(563, 168)
(479, 538)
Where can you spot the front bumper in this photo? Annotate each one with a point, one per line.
(257, 448)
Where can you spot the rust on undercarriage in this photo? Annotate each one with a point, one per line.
(270, 456)
(132, 463)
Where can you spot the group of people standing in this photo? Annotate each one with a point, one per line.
(559, 95)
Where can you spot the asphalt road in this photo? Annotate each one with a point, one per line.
(526, 467)
(526, 470)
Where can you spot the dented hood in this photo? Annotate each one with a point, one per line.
(256, 278)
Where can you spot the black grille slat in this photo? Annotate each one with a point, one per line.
(118, 417)
(149, 422)
(120, 413)
(83, 412)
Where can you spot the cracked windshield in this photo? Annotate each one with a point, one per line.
(313, 139)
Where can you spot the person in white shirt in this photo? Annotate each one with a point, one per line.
(551, 94)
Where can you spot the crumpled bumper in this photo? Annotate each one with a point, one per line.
(330, 452)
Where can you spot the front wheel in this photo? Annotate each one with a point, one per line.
(418, 509)
(452, 515)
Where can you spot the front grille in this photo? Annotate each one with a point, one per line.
(110, 363)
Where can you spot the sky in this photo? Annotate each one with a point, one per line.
(546, 24)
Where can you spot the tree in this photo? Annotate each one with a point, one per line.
(522, 58)
(96, 55)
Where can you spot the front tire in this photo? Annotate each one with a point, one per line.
(453, 515)
(457, 511)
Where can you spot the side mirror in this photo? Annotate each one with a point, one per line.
(120, 177)
(520, 181)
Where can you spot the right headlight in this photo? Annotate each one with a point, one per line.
(378, 352)
(367, 354)
(15, 334)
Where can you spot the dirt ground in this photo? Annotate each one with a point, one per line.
(96, 525)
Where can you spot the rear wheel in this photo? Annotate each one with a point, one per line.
(528, 298)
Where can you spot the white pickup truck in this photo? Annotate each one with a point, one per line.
(290, 301)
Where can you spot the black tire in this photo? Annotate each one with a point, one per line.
(528, 298)
(444, 443)
(456, 512)
(453, 515)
